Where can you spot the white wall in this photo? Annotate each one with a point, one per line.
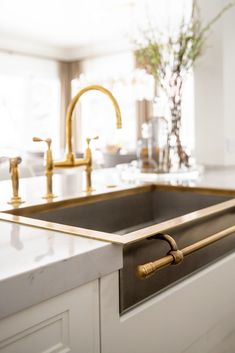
(214, 86)
(25, 65)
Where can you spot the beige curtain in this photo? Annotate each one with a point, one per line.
(68, 72)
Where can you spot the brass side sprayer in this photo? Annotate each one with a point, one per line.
(14, 172)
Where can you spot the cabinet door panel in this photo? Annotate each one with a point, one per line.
(66, 323)
(50, 335)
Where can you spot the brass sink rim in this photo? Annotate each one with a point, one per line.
(14, 215)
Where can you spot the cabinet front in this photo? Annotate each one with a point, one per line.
(66, 323)
(195, 315)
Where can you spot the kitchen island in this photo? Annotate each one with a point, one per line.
(67, 288)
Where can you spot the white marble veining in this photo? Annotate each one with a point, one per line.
(36, 264)
(24, 249)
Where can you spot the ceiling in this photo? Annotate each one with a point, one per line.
(70, 29)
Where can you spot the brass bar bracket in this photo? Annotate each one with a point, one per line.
(175, 255)
(175, 252)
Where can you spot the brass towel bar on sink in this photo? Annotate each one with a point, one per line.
(176, 256)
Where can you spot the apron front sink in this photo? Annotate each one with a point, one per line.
(131, 217)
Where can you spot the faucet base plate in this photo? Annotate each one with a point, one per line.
(49, 197)
(15, 200)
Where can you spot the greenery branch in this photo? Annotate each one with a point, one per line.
(170, 57)
(161, 55)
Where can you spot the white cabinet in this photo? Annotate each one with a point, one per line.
(66, 323)
(195, 316)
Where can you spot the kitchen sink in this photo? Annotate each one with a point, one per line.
(135, 217)
(124, 213)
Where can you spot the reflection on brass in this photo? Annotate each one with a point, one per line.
(48, 167)
(148, 269)
(88, 166)
(70, 160)
(16, 199)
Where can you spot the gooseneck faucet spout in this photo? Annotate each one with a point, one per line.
(70, 160)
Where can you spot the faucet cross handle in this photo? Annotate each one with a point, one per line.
(38, 139)
(89, 139)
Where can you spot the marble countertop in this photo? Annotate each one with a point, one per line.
(209, 177)
(37, 264)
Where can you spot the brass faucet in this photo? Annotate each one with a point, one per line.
(48, 160)
(13, 169)
(88, 166)
(70, 160)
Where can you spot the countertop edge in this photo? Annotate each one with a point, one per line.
(33, 287)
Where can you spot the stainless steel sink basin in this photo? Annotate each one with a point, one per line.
(122, 214)
(133, 217)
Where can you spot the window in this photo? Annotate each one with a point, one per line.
(97, 114)
(29, 101)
